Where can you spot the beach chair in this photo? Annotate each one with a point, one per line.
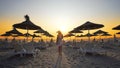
(24, 50)
(29, 50)
(82, 51)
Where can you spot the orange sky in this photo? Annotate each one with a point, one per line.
(65, 27)
(61, 15)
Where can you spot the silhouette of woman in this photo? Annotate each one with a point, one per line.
(59, 42)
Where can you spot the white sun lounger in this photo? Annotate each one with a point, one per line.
(24, 50)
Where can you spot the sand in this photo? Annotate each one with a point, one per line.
(70, 58)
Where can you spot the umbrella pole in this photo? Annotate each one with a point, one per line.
(46, 38)
(40, 37)
(33, 38)
(27, 34)
(100, 36)
(70, 38)
(75, 37)
(88, 36)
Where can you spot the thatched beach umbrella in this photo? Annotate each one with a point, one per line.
(100, 32)
(39, 31)
(80, 35)
(34, 35)
(89, 26)
(118, 33)
(50, 35)
(88, 35)
(116, 28)
(6, 34)
(27, 35)
(106, 34)
(47, 34)
(69, 35)
(27, 25)
(75, 31)
(14, 32)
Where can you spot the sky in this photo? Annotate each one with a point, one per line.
(64, 15)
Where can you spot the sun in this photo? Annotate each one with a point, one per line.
(63, 29)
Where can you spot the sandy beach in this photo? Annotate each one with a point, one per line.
(70, 58)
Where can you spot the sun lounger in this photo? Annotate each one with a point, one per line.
(23, 50)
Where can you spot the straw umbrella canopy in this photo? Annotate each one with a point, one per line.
(6, 34)
(106, 34)
(14, 32)
(27, 35)
(50, 35)
(47, 34)
(100, 32)
(80, 35)
(69, 35)
(34, 35)
(75, 31)
(88, 35)
(39, 31)
(10, 34)
(118, 33)
(27, 25)
(89, 26)
(116, 28)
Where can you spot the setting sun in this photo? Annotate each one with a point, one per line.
(63, 29)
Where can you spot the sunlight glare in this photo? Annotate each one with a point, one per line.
(63, 29)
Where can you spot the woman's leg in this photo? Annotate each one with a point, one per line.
(60, 50)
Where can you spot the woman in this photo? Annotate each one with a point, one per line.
(59, 42)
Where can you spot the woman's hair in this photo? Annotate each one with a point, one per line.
(59, 32)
